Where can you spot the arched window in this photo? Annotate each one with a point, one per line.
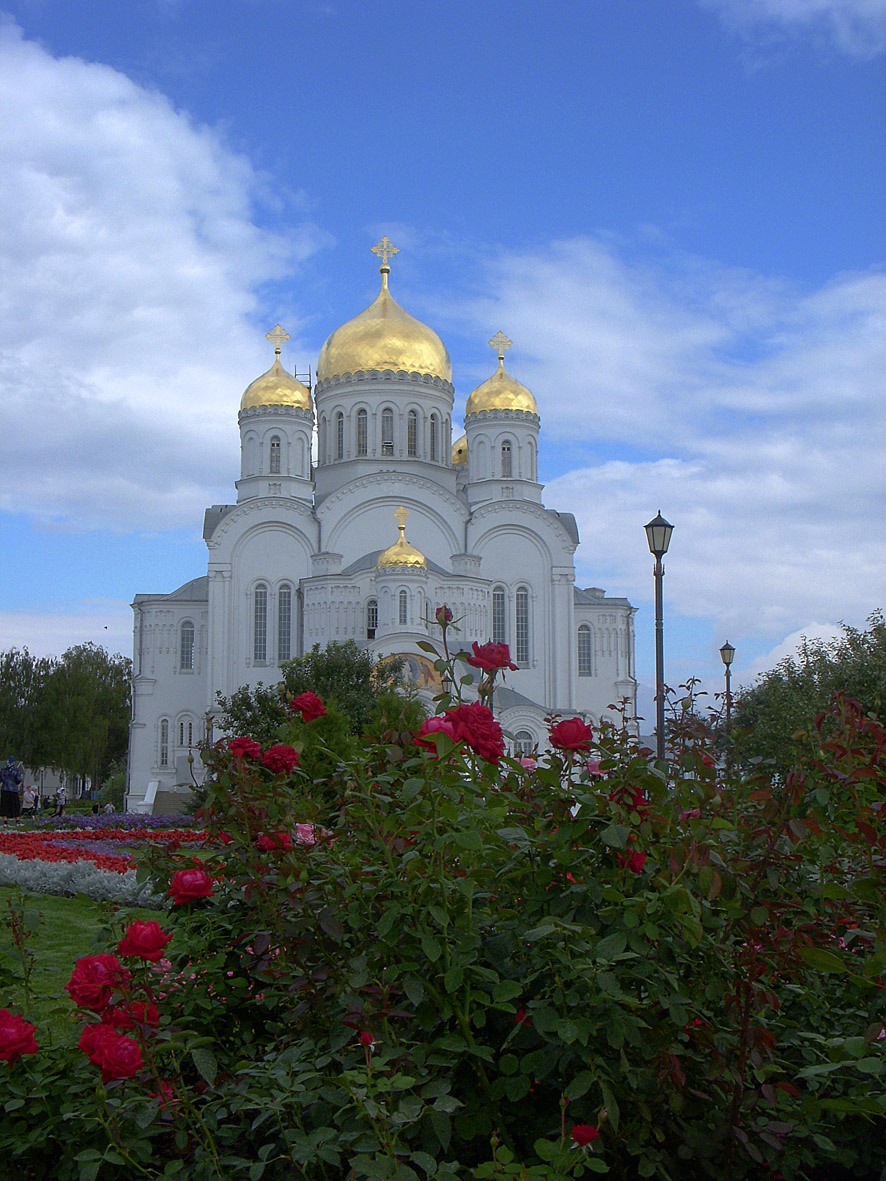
(186, 732)
(521, 625)
(284, 623)
(403, 608)
(435, 432)
(507, 466)
(499, 616)
(585, 664)
(523, 744)
(412, 433)
(371, 618)
(387, 432)
(339, 435)
(164, 743)
(260, 624)
(274, 456)
(362, 433)
(186, 647)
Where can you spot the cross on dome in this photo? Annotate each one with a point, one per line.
(500, 343)
(400, 516)
(277, 336)
(385, 249)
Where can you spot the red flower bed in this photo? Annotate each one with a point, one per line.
(52, 846)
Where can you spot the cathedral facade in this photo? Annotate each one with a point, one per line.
(356, 518)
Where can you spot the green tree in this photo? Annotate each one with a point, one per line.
(88, 696)
(775, 719)
(26, 723)
(347, 675)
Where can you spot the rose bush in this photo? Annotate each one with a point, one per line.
(457, 976)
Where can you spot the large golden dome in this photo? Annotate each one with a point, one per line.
(384, 336)
(276, 387)
(401, 553)
(501, 391)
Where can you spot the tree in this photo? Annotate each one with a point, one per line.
(87, 695)
(775, 719)
(25, 721)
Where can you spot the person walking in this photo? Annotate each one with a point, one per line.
(11, 779)
(29, 801)
(61, 798)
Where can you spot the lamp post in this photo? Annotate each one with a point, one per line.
(727, 653)
(658, 537)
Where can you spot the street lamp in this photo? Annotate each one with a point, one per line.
(658, 537)
(727, 653)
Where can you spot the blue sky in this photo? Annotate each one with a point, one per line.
(674, 208)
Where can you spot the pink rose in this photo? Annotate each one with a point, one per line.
(571, 734)
(280, 758)
(94, 979)
(244, 748)
(435, 725)
(490, 657)
(593, 769)
(309, 705)
(145, 940)
(527, 763)
(189, 884)
(16, 1036)
(305, 834)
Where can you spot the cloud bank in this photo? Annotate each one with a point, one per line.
(856, 28)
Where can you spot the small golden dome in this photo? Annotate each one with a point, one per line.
(276, 387)
(401, 553)
(384, 336)
(460, 451)
(501, 391)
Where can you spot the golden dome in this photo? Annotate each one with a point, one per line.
(501, 391)
(384, 336)
(401, 553)
(276, 387)
(460, 451)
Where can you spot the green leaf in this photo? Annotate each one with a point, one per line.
(431, 947)
(821, 960)
(759, 915)
(580, 1085)
(414, 989)
(206, 1063)
(615, 836)
(610, 946)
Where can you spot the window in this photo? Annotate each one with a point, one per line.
(412, 433)
(284, 623)
(506, 464)
(521, 620)
(164, 743)
(339, 435)
(387, 432)
(523, 744)
(260, 624)
(274, 458)
(499, 616)
(186, 732)
(403, 608)
(186, 647)
(362, 432)
(371, 618)
(584, 651)
(435, 431)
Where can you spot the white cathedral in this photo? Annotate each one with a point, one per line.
(360, 531)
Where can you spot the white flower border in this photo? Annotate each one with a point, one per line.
(79, 877)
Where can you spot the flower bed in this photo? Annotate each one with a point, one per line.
(55, 847)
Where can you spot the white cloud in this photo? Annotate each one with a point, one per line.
(855, 27)
(106, 623)
(131, 257)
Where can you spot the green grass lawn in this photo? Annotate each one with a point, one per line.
(57, 932)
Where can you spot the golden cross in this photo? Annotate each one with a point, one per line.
(500, 342)
(385, 249)
(276, 336)
(400, 516)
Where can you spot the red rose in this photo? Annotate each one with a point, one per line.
(632, 798)
(118, 1056)
(366, 1038)
(584, 1134)
(145, 940)
(633, 861)
(475, 726)
(16, 1036)
(94, 979)
(280, 758)
(188, 884)
(490, 657)
(571, 734)
(128, 1016)
(309, 705)
(244, 748)
(435, 725)
(443, 615)
(274, 840)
